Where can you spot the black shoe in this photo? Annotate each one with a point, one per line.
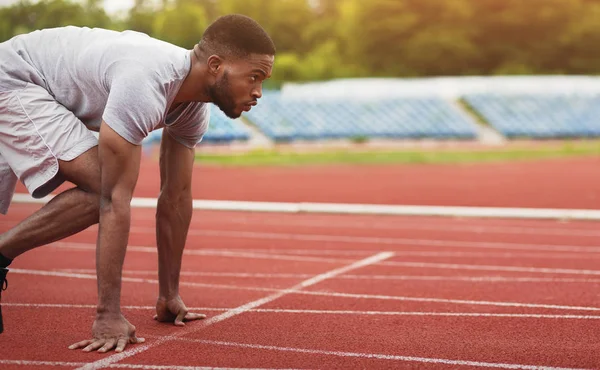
(3, 286)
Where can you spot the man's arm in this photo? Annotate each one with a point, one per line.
(119, 168)
(173, 216)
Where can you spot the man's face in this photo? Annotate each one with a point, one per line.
(239, 85)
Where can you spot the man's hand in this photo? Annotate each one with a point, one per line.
(174, 310)
(109, 332)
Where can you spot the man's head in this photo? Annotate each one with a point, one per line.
(239, 56)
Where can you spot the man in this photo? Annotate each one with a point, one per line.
(57, 84)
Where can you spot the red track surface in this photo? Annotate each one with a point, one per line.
(456, 293)
(561, 183)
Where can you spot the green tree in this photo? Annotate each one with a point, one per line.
(181, 23)
(27, 16)
(284, 20)
(141, 17)
(523, 36)
(323, 39)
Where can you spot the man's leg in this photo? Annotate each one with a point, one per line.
(53, 146)
(66, 214)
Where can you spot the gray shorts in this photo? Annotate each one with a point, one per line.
(35, 132)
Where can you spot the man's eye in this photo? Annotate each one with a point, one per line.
(254, 78)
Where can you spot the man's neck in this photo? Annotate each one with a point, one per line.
(193, 87)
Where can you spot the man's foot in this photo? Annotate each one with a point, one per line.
(3, 286)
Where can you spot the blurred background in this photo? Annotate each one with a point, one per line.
(391, 74)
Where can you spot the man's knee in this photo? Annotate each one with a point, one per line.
(92, 204)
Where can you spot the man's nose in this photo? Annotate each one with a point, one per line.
(257, 93)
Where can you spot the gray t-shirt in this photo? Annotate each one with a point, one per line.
(127, 79)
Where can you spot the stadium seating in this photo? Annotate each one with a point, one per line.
(301, 119)
(539, 115)
(523, 114)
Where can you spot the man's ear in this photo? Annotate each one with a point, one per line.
(215, 64)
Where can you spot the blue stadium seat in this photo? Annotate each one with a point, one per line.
(286, 120)
(540, 115)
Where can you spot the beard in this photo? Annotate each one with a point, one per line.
(221, 96)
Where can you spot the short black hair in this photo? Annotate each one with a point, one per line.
(236, 35)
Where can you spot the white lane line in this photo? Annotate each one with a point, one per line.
(420, 253)
(536, 255)
(374, 356)
(431, 253)
(117, 366)
(363, 209)
(391, 241)
(419, 265)
(455, 266)
(40, 363)
(450, 301)
(326, 294)
(404, 242)
(244, 275)
(140, 280)
(472, 279)
(328, 312)
(239, 310)
(284, 253)
(202, 252)
(447, 225)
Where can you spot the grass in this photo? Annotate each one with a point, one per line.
(446, 156)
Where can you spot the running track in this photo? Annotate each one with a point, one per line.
(333, 291)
